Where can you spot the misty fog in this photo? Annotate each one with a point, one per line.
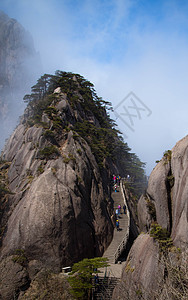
(19, 68)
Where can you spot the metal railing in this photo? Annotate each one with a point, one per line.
(122, 245)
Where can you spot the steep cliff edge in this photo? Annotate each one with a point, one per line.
(157, 265)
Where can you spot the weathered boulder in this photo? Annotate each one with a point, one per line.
(13, 278)
(157, 190)
(167, 190)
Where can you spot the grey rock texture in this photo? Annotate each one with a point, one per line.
(167, 196)
(140, 270)
(157, 190)
(168, 189)
(13, 278)
(179, 165)
(59, 211)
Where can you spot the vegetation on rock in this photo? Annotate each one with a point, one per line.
(4, 191)
(20, 257)
(82, 275)
(94, 124)
(48, 286)
(49, 152)
(167, 156)
(151, 208)
(162, 236)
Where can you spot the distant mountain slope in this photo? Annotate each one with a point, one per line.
(19, 66)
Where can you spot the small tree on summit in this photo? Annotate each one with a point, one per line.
(82, 274)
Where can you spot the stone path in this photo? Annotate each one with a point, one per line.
(115, 270)
(123, 223)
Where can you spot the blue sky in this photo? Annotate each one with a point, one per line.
(120, 46)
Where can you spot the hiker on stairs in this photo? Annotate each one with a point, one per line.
(117, 225)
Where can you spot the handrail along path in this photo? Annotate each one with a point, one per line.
(120, 238)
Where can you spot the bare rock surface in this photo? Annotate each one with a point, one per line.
(13, 278)
(157, 191)
(59, 209)
(179, 165)
(148, 270)
(168, 191)
(140, 269)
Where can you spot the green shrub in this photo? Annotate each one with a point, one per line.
(69, 158)
(167, 155)
(44, 125)
(57, 123)
(66, 159)
(49, 152)
(49, 134)
(40, 169)
(159, 233)
(50, 111)
(162, 236)
(171, 180)
(20, 257)
(151, 208)
(81, 276)
(28, 172)
(30, 178)
(79, 151)
(4, 190)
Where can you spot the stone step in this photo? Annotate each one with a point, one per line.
(105, 288)
(113, 271)
(118, 235)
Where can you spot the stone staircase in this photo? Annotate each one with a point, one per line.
(110, 276)
(123, 222)
(105, 288)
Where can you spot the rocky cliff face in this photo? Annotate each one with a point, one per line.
(19, 64)
(157, 266)
(59, 207)
(55, 193)
(167, 191)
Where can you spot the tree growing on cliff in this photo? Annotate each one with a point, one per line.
(102, 136)
(82, 275)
